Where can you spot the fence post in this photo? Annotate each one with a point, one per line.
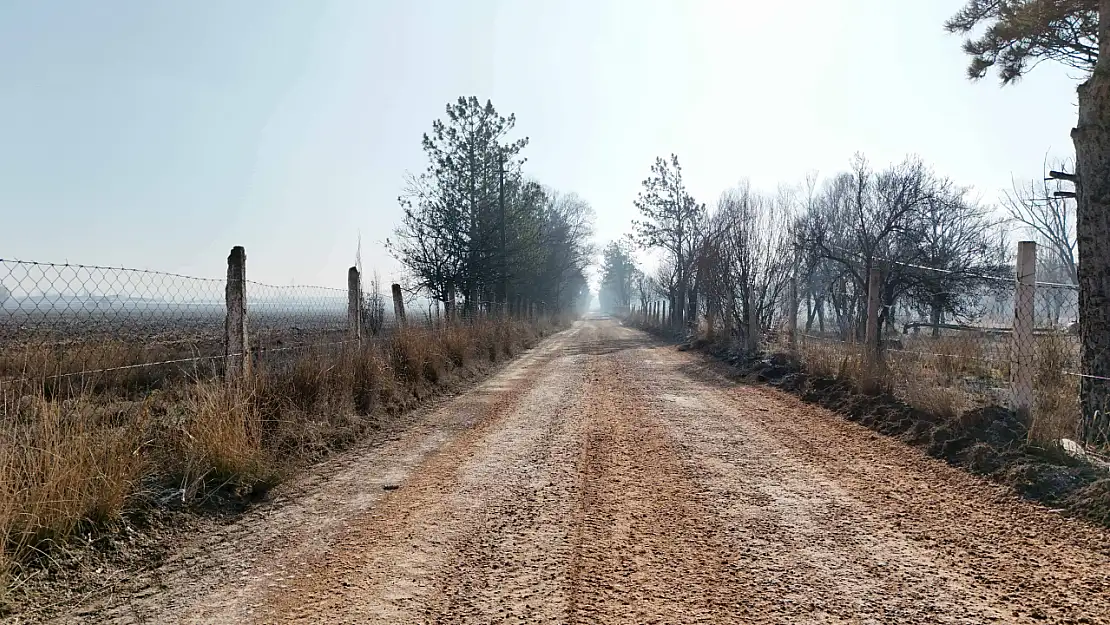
(235, 324)
(398, 305)
(354, 304)
(753, 324)
(1022, 352)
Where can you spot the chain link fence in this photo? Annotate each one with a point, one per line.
(91, 325)
(987, 340)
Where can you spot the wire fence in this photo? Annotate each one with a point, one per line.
(66, 321)
(970, 341)
(286, 318)
(89, 326)
(943, 340)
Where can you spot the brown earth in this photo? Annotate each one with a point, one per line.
(607, 478)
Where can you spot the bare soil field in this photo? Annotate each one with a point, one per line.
(605, 477)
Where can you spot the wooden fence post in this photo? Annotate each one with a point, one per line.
(354, 304)
(398, 305)
(235, 325)
(1023, 350)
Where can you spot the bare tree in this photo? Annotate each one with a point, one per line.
(861, 219)
(373, 313)
(1049, 217)
(756, 251)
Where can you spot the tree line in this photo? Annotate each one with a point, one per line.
(478, 234)
(942, 253)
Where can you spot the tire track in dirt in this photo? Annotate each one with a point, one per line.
(840, 525)
(473, 535)
(646, 547)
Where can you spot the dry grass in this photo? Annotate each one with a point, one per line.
(78, 454)
(64, 464)
(832, 359)
(1056, 409)
(952, 374)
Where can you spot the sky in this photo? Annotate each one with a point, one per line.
(157, 135)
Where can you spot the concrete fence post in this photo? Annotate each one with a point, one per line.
(398, 305)
(235, 325)
(1023, 350)
(354, 304)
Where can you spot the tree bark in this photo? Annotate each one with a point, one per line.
(936, 316)
(1092, 155)
(679, 309)
(691, 316)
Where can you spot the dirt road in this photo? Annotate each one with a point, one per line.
(606, 478)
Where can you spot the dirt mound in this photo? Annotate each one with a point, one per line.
(990, 441)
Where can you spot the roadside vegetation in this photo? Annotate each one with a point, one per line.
(76, 458)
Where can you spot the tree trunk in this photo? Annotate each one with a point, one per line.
(936, 315)
(1092, 155)
(679, 307)
(692, 309)
(811, 311)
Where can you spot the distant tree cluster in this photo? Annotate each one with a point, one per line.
(939, 251)
(619, 278)
(478, 233)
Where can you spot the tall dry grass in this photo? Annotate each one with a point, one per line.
(952, 374)
(78, 454)
(1056, 408)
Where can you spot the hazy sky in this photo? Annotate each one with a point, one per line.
(157, 134)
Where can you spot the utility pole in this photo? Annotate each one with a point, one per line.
(504, 262)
